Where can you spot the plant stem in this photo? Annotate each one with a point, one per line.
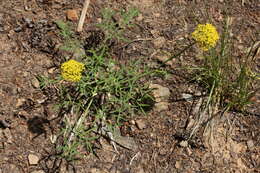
(178, 54)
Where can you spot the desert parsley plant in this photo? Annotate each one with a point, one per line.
(97, 93)
(71, 70)
(206, 36)
(227, 83)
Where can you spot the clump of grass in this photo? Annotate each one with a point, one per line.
(102, 94)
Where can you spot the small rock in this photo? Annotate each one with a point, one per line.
(250, 144)
(140, 124)
(177, 164)
(160, 93)
(72, 15)
(51, 70)
(35, 83)
(132, 122)
(184, 143)
(140, 17)
(161, 106)
(159, 42)
(18, 29)
(187, 97)
(20, 102)
(33, 159)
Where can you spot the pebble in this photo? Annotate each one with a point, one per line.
(187, 97)
(184, 143)
(72, 15)
(35, 83)
(33, 159)
(51, 70)
(140, 124)
(20, 102)
(139, 17)
(250, 144)
(177, 164)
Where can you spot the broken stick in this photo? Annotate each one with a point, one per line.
(83, 15)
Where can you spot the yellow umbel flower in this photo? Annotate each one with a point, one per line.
(206, 36)
(71, 70)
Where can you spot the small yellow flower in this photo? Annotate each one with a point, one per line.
(71, 70)
(206, 36)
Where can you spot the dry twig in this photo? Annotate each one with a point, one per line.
(83, 16)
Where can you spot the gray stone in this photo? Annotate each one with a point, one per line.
(125, 141)
(161, 106)
(160, 93)
(187, 97)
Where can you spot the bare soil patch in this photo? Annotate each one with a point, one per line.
(28, 121)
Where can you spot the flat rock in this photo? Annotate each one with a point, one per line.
(125, 141)
(72, 15)
(33, 159)
(160, 93)
(140, 124)
(161, 106)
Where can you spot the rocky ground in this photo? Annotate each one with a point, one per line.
(154, 143)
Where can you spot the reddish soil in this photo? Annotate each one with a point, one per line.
(28, 41)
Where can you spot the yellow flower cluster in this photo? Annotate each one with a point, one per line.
(71, 70)
(206, 36)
